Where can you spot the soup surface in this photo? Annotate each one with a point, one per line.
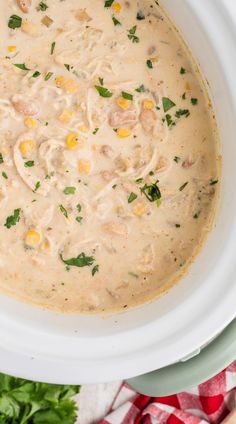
(108, 154)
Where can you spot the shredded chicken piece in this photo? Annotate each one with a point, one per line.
(123, 118)
(115, 227)
(148, 119)
(146, 260)
(24, 5)
(28, 108)
(106, 150)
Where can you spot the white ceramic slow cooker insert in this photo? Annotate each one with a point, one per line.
(46, 346)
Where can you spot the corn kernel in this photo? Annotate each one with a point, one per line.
(26, 147)
(66, 116)
(140, 209)
(148, 104)
(84, 166)
(123, 103)
(70, 86)
(72, 141)
(28, 27)
(46, 245)
(30, 123)
(59, 81)
(32, 238)
(11, 49)
(116, 7)
(123, 132)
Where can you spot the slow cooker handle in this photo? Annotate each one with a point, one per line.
(184, 375)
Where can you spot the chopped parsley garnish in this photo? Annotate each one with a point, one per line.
(63, 211)
(101, 80)
(43, 6)
(104, 92)
(53, 45)
(127, 96)
(13, 219)
(29, 164)
(114, 186)
(95, 131)
(177, 159)
(1, 158)
(177, 225)
(69, 190)
(48, 76)
(139, 181)
(142, 89)
(21, 66)
(213, 182)
(95, 269)
(108, 3)
(132, 36)
(115, 21)
(182, 71)
(140, 15)
(14, 22)
(79, 218)
(132, 274)
(132, 197)
(152, 192)
(151, 173)
(37, 185)
(5, 175)
(182, 112)
(184, 96)
(196, 215)
(79, 207)
(194, 101)
(149, 64)
(169, 120)
(67, 66)
(167, 104)
(36, 74)
(80, 261)
(183, 186)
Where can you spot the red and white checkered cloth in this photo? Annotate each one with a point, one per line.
(210, 402)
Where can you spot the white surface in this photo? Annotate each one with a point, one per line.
(50, 347)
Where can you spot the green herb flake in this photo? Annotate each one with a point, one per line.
(152, 192)
(5, 175)
(139, 181)
(183, 186)
(48, 76)
(177, 159)
(95, 131)
(101, 80)
(42, 6)
(78, 207)
(80, 261)
(1, 158)
(127, 96)
(14, 22)
(37, 186)
(140, 15)
(184, 96)
(196, 215)
(63, 211)
(149, 64)
(115, 21)
(95, 269)
(167, 104)
(182, 71)
(169, 120)
(79, 219)
(36, 74)
(114, 186)
(132, 197)
(132, 274)
(69, 190)
(194, 101)
(13, 219)
(151, 173)
(177, 225)
(29, 164)
(21, 66)
(213, 182)
(108, 3)
(68, 67)
(142, 89)
(104, 92)
(182, 112)
(132, 36)
(53, 45)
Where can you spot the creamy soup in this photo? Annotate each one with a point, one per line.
(108, 154)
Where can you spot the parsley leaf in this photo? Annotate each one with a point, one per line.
(43, 6)
(69, 190)
(36, 74)
(142, 89)
(5, 175)
(95, 131)
(132, 36)
(183, 186)
(37, 186)
(14, 22)
(53, 45)
(115, 21)
(48, 76)
(177, 159)
(149, 64)
(182, 112)
(104, 92)
(13, 219)
(108, 3)
(194, 101)
(21, 66)
(1, 158)
(95, 269)
(127, 96)
(182, 71)
(63, 211)
(167, 104)
(80, 261)
(140, 15)
(29, 164)
(169, 120)
(132, 197)
(152, 192)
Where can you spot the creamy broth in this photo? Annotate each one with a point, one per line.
(108, 151)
